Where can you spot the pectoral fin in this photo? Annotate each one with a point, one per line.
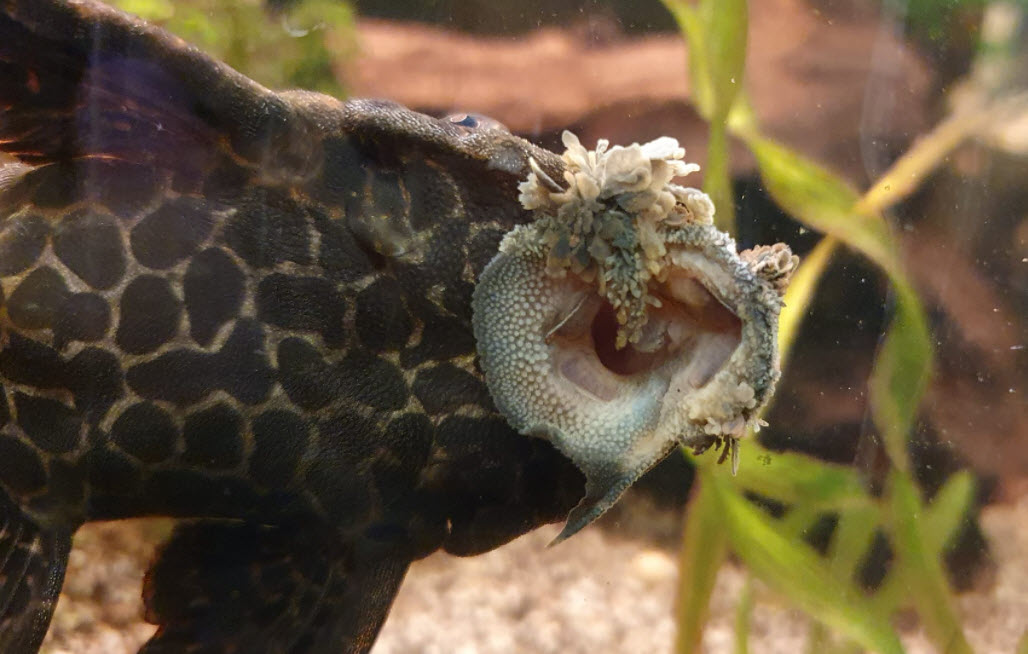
(32, 565)
(222, 586)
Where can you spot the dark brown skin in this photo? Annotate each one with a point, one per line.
(249, 310)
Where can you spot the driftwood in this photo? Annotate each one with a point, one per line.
(839, 87)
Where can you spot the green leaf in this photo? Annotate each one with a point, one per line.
(742, 119)
(743, 618)
(716, 34)
(798, 520)
(901, 372)
(725, 22)
(717, 178)
(704, 548)
(820, 641)
(796, 478)
(921, 569)
(907, 173)
(947, 510)
(284, 49)
(692, 27)
(150, 10)
(852, 540)
(796, 571)
(800, 292)
(892, 596)
(821, 200)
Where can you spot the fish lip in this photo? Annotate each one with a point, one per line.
(517, 300)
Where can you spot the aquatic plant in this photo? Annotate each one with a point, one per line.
(720, 518)
(299, 44)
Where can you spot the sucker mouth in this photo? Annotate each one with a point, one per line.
(694, 373)
(691, 331)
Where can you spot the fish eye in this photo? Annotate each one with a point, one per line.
(472, 121)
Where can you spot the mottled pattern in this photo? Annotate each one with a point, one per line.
(251, 310)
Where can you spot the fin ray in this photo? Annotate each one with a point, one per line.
(31, 574)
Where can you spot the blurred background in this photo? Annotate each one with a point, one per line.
(851, 85)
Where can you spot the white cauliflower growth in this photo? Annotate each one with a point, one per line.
(609, 222)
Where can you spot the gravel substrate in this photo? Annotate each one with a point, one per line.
(594, 594)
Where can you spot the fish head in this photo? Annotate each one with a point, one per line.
(622, 323)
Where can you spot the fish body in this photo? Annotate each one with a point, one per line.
(252, 311)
